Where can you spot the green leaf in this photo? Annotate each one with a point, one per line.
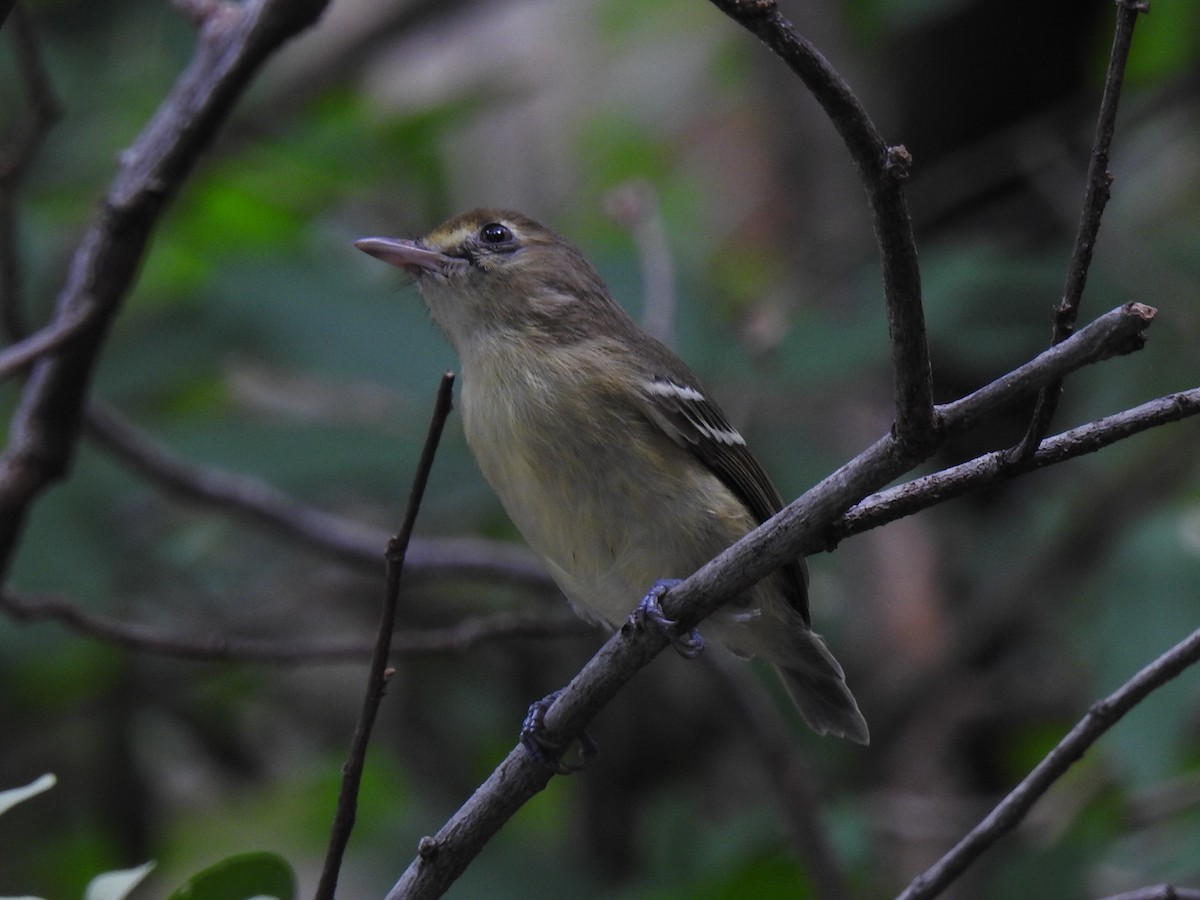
(240, 877)
(13, 796)
(117, 885)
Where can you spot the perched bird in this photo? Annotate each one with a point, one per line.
(613, 462)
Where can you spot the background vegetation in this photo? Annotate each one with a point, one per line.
(258, 341)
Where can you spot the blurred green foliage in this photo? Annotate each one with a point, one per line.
(257, 340)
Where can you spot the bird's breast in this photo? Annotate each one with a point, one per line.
(608, 501)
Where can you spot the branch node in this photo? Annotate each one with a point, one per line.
(898, 163)
(1138, 6)
(428, 847)
(209, 16)
(757, 7)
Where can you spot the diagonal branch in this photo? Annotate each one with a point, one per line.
(346, 540)
(883, 170)
(1008, 813)
(798, 528)
(992, 468)
(233, 44)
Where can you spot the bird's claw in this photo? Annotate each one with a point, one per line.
(649, 612)
(533, 738)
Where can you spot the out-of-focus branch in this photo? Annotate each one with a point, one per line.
(234, 42)
(459, 638)
(1010, 811)
(794, 788)
(1158, 892)
(346, 540)
(57, 334)
(1095, 199)
(45, 109)
(883, 170)
(635, 207)
(378, 674)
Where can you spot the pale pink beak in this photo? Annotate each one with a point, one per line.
(410, 256)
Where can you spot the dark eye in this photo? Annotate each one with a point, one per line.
(495, 233)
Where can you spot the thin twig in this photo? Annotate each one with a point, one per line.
(883, 169)
(54, 336)
(299, 651)
(378, 675)
(1010, 811)
(635, 207)
(991, 469)
(792, 784)
(17, 159)
(1095, 199)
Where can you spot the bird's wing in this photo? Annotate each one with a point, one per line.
(693, 421)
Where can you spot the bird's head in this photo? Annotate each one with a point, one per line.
(490, 271)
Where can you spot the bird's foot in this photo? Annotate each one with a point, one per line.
(533, 738)
(649, 612)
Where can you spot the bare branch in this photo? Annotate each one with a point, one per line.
(796, 530)
(232, 47)
(992, 468)
(1158, 892)
(346, 540)
(378, 674)
(459, 638)
(1116, 333)
(635, 207)
(883, 170)
(1009, 812)
(53, 337)
(1099, 180)
(6, 7)
(793, 785)
(46, 109)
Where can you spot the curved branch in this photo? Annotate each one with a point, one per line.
(346, 540)
(883, 170)
(234, 42)
(463, 636)
(17, 158)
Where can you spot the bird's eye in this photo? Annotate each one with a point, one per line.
(495, 233)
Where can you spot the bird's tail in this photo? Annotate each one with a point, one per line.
(817, 685)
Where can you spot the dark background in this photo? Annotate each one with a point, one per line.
(259, 341)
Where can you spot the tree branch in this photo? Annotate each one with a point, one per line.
(797, 529)
(459, 638)
(883, 170)
(378, 674)
(346, 540)
(53, 337)
(992, 468)
(46, 109)
(234, 42)
(1095, 199)
(1101, 717)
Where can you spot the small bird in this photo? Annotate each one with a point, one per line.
(610, 458)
